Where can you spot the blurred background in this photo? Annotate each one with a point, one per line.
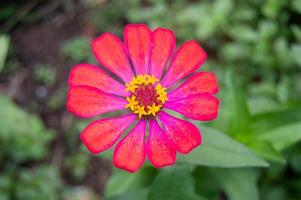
(251, 152)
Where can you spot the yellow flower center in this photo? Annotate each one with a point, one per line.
(147, 95)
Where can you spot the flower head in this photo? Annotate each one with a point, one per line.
(144, 95)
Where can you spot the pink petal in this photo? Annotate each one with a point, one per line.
(183, 134)
(85, 74)
(137, 40)
(102, 134)
(158, 147)
(200, 83)
(129, 153)
(163, 45)
(202, 107)
(108, 50)
(187, 59)
(87, 101)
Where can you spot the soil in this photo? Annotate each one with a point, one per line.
(40, 43)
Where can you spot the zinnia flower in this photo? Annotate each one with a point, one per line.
(145, 92)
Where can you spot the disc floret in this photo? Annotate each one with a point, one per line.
(147, 95)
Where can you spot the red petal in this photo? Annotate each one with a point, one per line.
(86, 101)
(158, 147)
(163, 46)
(183, 134)
(102, 134)
(85, 74)
(129, 153)
(202, 107)
(200, 83)
(187, 59)
(108, 50)
(137, 40)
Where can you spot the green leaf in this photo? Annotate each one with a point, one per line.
(124, 182)
(222, 9)
(282, 53)
(261, 104)
(41, 182)
(296, 52)
(209, 189)
(283, 136)
(76, 49)
(264, 122)
(135, 195)
(175, 183)
(243, 33)
(234, 51)
(4, 45)
(296, 30)
(266, 150)
(267, 29)
(238, 183)
(22, 136)
(272, 8)
(219, 150)
(234, 116)
(296, 5)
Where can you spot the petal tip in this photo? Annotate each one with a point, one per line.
(71, 109)
(90, 149)
(136, 26)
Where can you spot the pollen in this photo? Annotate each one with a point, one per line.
(153, 109)
(132, 102)
(140, 111)
(130, 87)
(147, 95)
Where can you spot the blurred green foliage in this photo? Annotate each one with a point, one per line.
(20, 131)
(41, 183)
(45, 74)
(251, 152)
(24, 139)
(77, 49)
(254, 47)
(4, 44)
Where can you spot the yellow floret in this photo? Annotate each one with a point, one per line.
(140, 111)
(139, 80)
(132, 102)
(160, 89)
(130, 87)
(162, 97)
(153, 109)
(150, 79)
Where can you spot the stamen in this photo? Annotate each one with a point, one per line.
(153, 109)
(130, 87)
(140, 111)
(147, 95)
(132, 102)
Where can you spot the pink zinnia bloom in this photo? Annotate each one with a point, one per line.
(144, 94)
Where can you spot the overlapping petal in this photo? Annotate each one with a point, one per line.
(202, 107)
(90, 75)
(87, 101)
(163, 45)
(108, 50)
(137, 40)
(130, 153)
(187, 59)
(158, 147)
(102, 134)
(199, 83)
(184, 135)
(93, 91)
